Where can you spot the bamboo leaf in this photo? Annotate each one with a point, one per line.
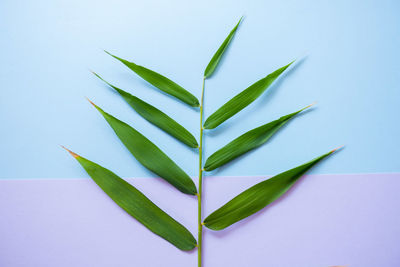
(258, 196)
(212, 65)
(149, 155)
(161, 82)
(243, 99)
(138, 205)
(247, 141)
(156, 117)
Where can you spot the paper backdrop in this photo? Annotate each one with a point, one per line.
(51, 214)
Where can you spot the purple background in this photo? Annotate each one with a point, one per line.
(324, 220)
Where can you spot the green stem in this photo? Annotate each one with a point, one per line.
(199, 195)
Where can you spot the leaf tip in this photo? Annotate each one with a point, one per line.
(95, 74)
(240, 20)
(98, 76)
(72, 153)
(90, 101)
(312, 104)
(120, 59)
(282, 69)
(309, 106)
(337, 149)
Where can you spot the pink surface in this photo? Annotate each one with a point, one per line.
(326, 220)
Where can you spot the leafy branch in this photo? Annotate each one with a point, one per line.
(154, 159)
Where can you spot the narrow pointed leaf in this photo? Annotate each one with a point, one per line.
(242, 100)
(149, 155)
(156, 117)
(258, 196)
(138, 205)
(212, 65)
(246, 142)
(161, 82)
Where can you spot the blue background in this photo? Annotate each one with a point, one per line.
(350, 67)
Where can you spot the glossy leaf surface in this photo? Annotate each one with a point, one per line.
(149, 155)
(212, 65)
(242, 100)
(138, 205)
(246, 142)
(156, 117)
(161, 82)
(258, 196)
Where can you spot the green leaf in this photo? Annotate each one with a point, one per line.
(138, 205)
(212, 65)
(246, 142)
(258, 196)
(156, 117)
(161, 82)
(242, 100)
(149, 155)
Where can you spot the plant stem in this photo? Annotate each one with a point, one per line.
(199, 195)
